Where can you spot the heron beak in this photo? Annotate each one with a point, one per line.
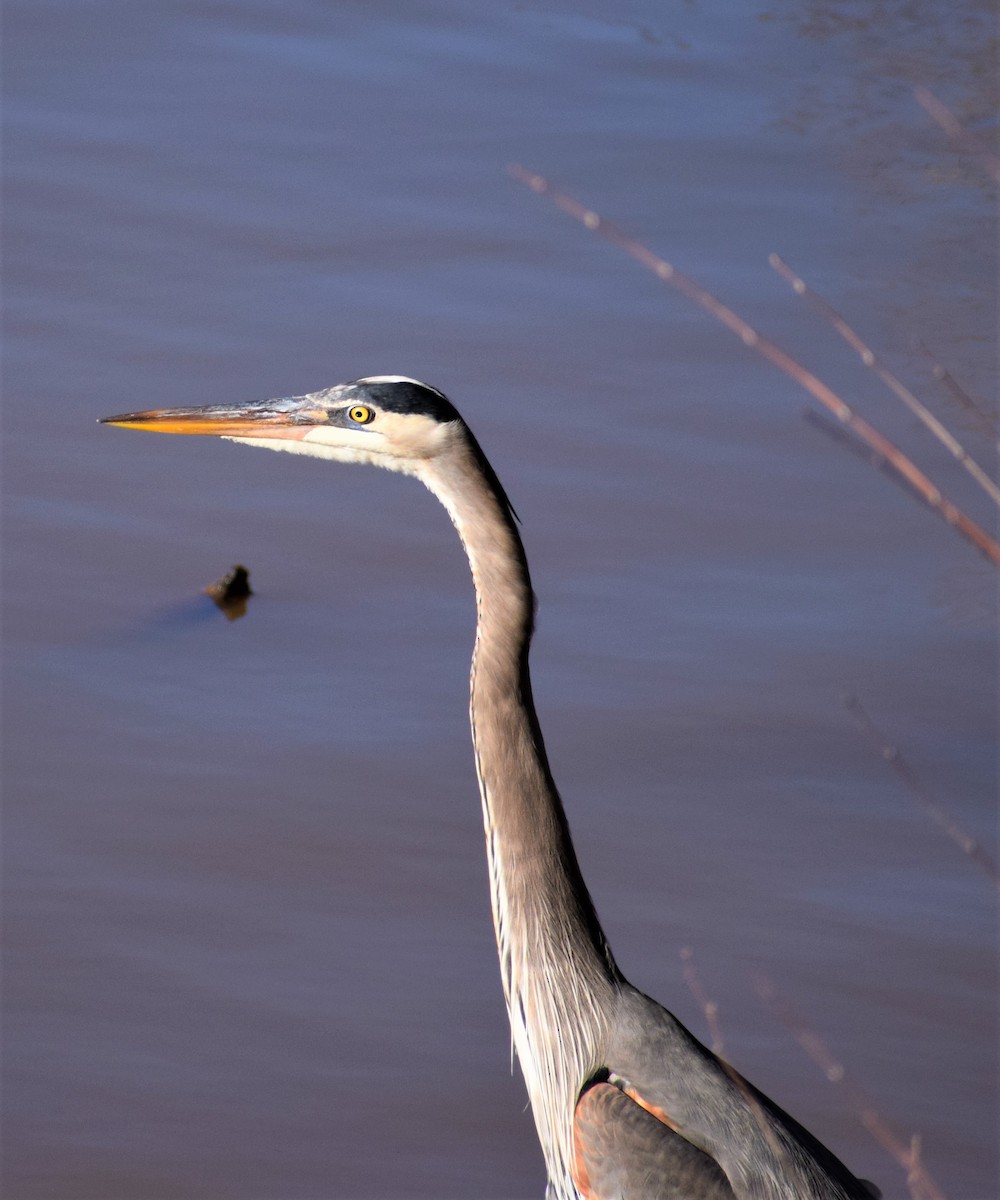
(288, 418)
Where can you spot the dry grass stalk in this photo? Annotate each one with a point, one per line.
(899, 389)
(968, 845)
(950, 124)
(774, 354)
(919, 1181)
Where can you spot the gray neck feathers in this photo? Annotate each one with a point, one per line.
(558, 974)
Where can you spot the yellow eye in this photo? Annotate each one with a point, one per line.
(361, 414)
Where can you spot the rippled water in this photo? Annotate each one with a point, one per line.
(248, 949)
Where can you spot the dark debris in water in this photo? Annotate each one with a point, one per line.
(231, 592)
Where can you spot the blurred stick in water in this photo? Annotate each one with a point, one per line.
(968, 845)
(843, 436)
(985, 544)
(898, 389)
(711, 1011)
(982, 418)
(921, 1185)
(951, 125)
(707, 1004)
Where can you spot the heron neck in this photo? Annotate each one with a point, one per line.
(558, 973)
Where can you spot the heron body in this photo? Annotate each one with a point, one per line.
(628, 1105)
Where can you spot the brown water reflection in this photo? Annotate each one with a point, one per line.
(247, 935)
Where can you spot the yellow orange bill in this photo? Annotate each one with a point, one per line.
(273, 418)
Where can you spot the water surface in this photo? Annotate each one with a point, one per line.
(248, 950)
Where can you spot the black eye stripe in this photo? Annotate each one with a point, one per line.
(405, 396)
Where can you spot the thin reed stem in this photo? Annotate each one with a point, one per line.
(967, 844)
(664, 270)
(708, 1005)
(919, 1181)
(898, 389)
(951, 125)
(711, 1011)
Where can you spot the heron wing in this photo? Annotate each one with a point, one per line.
(761, 1149)
(624, 1153)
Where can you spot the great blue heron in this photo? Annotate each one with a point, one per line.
(627, 1103)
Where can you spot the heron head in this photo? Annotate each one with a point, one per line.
(388, 420)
